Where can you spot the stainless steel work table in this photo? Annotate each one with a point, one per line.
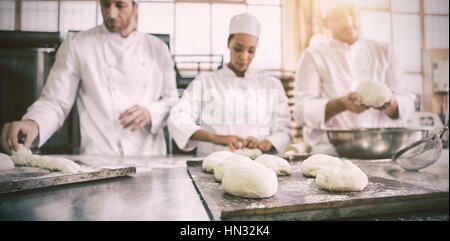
(162, 190)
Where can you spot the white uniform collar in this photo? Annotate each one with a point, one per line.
(116, 36)
(227, 72)
(337, 43)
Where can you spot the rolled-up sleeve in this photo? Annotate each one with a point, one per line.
(309, 106)
(58, 94)
(184, 116)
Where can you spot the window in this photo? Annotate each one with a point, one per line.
(195, 27)
(77, 15)
(7, 9)
(39, 16)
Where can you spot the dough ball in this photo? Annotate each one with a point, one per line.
(344, 176)
(228, 162)
(5, 162)
(374, 93)
(22, 150)
(298, 148)
(312, 165)
(250, 181)
(210, 162)
(252, 153)
(277, 164)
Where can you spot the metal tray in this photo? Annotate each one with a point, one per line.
(28, 178)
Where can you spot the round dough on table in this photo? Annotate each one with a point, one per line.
(228, 162)
(22, 150)
(298, 148)
(312, 165)
(210, 162)
(280, 166)
(252, 153)
(344, 176)
(374, 93)
(5, 162)
(250, 181)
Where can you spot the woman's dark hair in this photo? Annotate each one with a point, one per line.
(230, 38)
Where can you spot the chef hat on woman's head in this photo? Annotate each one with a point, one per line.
(245, 23)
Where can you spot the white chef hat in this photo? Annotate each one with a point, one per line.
(245, 23)
(328, 5)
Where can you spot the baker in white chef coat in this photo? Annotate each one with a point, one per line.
(122, 81)
(235, 106)
(330, 70)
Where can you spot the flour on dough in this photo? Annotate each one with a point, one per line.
(5, 162)
(344, 176)
(250, 181)
(252, 153)
(277, 164)
(228, 162)
(374, 93)
(24, 157)
(210, 162)
(311, 166)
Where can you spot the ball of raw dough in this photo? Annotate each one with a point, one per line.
(210, 162)
(22, 150)
(250, 181)
(5, 162)
(252, 153)
(228, 162)
(277, 164)
(344, 176)
(298, 148)
(312, 165)
(374, 93)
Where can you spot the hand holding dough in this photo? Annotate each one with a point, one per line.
(374, 93)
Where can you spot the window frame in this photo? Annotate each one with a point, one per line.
(18, 13)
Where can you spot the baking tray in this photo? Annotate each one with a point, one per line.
(23, 178)
(299, 198)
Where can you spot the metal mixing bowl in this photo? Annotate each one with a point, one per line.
(376, 143)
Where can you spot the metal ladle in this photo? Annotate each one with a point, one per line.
(421, 154)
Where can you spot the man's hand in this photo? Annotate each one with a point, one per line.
(136, 117)
(353, 102)
(10, 134)
(390, 109)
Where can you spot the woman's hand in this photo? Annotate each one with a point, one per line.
(234, 142)
(265, 146)
(251, 142)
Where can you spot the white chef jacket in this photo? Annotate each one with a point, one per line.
(222, 103)
(331, 69)
(106, 75)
